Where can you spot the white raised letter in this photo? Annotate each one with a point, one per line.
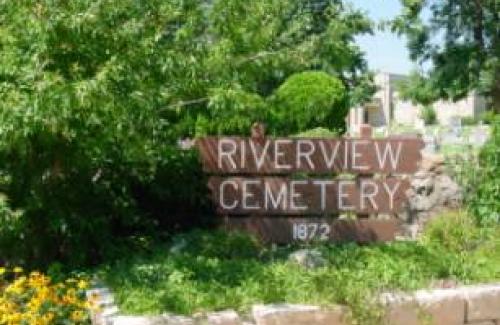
(306, 154)
(346, 154)
(294, 195)
(279, 153)
(391, 193)
(388, 151)
(227, 153)
(365, 195)
(343, 195)
(259, 161)
(280, 199)
(243, 154)
(246, 195)
(355, 154)
(323, 184)
(329, 161)
(221, 194)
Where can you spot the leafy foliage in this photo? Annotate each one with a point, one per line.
(417, 89)
(95, 95)
(484, 203)
(236, 108)
(428, 114)
(11, 229)
(465, 247)
(462, 41)
(309, 99)
(487, 117)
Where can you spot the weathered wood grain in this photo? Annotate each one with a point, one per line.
(274, 156)
(284, 230)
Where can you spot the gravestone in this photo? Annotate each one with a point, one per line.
(455, 123)
(455, 133)
(430, 142)
(479, 136)
(450, 137)
(284, 190)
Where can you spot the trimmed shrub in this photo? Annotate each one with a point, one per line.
(308, 100)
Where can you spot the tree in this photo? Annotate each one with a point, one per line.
(462, 41)
(417, 89)
(94, 96)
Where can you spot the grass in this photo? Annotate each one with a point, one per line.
(215, 270)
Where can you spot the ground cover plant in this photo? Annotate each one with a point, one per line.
(205, 271)
(477, 170)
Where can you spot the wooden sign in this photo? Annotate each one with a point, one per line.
(284, 230)
(258, 179)
(396, 155)
(283, 196)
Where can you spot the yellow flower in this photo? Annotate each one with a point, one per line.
(47, 318)
(18, 269)
(77, 316)
(14, 318)
(38, 280)
(35, 274)
(82, 284)
(2, 270)
(22, 300)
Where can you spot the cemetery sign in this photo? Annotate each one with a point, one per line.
(267, 185)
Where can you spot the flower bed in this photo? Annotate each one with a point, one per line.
(35, 299)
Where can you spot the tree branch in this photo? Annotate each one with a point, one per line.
(187, 103)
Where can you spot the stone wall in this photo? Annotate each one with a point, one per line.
(463, 305)
(479, 305)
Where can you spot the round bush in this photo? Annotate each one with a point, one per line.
(308, 100)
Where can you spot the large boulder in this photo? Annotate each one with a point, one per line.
(432, 191)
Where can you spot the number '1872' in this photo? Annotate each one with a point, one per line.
(311, 231)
